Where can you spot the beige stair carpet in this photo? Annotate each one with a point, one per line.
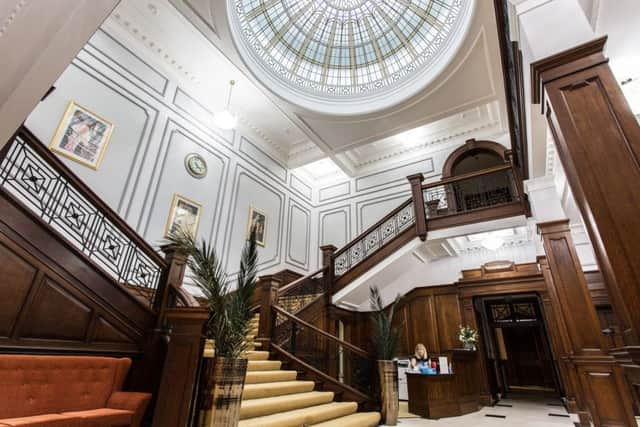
(273, 397)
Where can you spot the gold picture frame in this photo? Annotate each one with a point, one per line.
(184, 213)
(259, 218)
(82, 136)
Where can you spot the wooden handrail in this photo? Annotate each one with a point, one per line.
(289, 286)
(488, 171)
(374, 226)
(321, 374)
(32, 141)
(293, 318)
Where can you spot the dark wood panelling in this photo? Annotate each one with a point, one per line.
(57, 302)
(51, 301)
(18, 275)
(602, 395)
(597, 138)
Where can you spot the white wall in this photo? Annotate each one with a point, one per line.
(156, 124)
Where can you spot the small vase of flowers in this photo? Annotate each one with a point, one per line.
(468, 337)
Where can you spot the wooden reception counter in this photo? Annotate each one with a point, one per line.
(446, 395)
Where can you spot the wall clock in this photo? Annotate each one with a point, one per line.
(195, 165)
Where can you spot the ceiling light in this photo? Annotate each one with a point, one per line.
(225, 119)
(492, 243)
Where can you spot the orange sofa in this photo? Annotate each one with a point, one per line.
(67, 391)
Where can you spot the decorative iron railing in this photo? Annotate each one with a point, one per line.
(33, 176)
(464, 193)
(474, 191)
(373, 239)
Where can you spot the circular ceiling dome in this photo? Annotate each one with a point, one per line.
(348, 56)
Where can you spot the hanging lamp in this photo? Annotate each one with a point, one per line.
(225, 119)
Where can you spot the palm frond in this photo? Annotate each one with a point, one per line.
(229, 311)
(385, 336)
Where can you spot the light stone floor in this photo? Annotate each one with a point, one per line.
(529, 412)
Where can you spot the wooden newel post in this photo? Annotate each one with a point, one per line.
(171, 277)
(602, 393)
(182, 328)
(328, 262)
(516, 183)
(269, 297)
(418, 204)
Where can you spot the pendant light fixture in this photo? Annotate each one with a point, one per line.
(225, 119)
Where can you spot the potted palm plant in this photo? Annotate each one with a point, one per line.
(385, 339)
(228, 324)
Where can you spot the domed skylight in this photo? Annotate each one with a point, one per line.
(329, 53)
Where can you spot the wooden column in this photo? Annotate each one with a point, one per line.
(469, 319)
(598, 141)
(418, 205)
(559, 337)
(602, 393)
(269, 297)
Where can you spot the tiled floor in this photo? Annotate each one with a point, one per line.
(529, 412)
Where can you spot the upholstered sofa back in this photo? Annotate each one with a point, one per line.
(33, 385)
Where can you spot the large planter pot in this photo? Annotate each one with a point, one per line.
(225, 384)
(388, 374)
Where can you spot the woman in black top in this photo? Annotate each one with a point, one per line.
(420, 356)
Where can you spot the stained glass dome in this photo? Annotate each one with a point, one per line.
(346, 52)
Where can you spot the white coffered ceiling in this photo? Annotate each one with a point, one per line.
(192, 41)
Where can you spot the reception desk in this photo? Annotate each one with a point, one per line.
(446, 395)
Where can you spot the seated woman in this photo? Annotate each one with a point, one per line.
(420, 357)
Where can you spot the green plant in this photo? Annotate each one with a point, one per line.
(230, 311)
(385, 336)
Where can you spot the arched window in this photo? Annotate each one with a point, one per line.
(481, 191)
(474, 156)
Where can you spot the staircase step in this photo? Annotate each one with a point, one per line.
(256, 355)
(278, 404)
(257, 391)
(302, 417)
(264, 365)
(259, 377)
(361, 419)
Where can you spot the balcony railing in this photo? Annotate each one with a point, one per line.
(469, 192)
(477, 196)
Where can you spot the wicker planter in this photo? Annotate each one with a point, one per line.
(225, 385)
(388, 374)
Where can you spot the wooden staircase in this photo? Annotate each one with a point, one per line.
(277, 396)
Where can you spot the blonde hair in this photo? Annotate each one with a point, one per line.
(419, 347)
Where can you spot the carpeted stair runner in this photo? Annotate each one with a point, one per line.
(273, 397)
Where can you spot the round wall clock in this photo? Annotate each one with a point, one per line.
(196, 165)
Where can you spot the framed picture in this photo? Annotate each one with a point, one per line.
(82, 136)
(259, 220)
(185, 213)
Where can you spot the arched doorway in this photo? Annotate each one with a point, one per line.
(488, 190)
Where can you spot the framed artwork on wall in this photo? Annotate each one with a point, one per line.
(257, 219)
(82, 136)
(185, 213)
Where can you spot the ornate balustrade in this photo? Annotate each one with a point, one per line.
(32, 175)
(477, 196)
(465, 193)
(375, 238)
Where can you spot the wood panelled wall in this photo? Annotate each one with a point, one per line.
(53, 301)
(430, 316)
